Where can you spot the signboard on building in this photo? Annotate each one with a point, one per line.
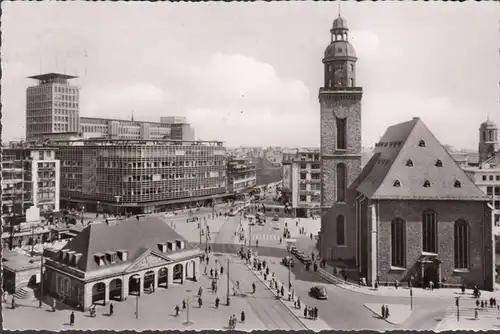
(287, 177)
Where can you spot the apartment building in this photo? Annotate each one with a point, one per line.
(241, 175)
(487, 177)
(301, 186)
(30, 177)
(138, 176)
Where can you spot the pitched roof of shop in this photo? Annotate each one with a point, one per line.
(132, 235)
(401, 143)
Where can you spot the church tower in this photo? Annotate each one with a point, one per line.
(341, 150)
(488, 140)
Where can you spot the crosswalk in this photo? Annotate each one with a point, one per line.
(266, 237)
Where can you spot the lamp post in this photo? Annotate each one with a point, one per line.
(228, 299)
(41, 280)
(138, 280)
(411, 298)
(289, 248)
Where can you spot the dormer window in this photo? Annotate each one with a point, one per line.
(99, 259)
(427, 184)
(421, 143)
(409, 163)
(111, 257)
(457, 184)
(439, 163)
(397, 183)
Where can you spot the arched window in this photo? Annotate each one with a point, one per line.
(341, 230)
(341, 133)
(491, 135)
(398, 243)
(341, 182)
(461, 244)
(484, 135)
(429, 231)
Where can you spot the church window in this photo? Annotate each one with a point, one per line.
(427, 184)
(341, 133)
(341, 231)
(457, 184)
(484, 135)
(409, 163)
(461, 233)
(352, 67)
(421, 143)
(439, 163)
(429, 231)
(491, 135)
(351, 82)
(398, 243)
(397, 183)
(341, 182)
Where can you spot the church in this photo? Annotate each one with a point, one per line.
(411, 212)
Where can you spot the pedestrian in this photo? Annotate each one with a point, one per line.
(200, 291)
(482, 303)
(111, 309)
(293, 294)
(200, 302)
(475, 314)
(231, 322)
(477, 303)
(242, 317)
(72, 319)
(383, 311)
(212, 272)
(315, 313)
(294, 304)
(13, 302)
(305, 312)
(282, 291)
(265, 277)
(267, 271)
(221, 270)
(253, 287)
(298, 303)
(53, 304)
(205, 270)
(184, 304)
(207, 259)
(234, 321)
(387, 314)
(217, 301)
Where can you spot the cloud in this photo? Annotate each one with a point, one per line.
(115, 99)
(366, 43)
(241, 100)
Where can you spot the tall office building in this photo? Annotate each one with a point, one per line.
(52, 106)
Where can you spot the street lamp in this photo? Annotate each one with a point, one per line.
(188, 306)
(228, 299)
(289, 248)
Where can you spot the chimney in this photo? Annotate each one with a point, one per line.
(62, 254)
(69, 257)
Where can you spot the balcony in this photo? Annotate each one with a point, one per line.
(340, 89)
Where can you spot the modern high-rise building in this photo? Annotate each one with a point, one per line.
(52, 106)
(241, 175)
(140, 177)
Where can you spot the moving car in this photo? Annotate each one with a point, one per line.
(286, 260)
(318, 292)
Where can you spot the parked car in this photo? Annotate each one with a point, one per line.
(293, 250)
(286, 260)
(318, 292)
(276, 218)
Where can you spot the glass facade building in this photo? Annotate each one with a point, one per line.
(140, 176)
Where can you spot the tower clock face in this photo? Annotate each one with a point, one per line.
(340, 111)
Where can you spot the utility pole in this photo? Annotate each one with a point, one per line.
(228, 302)
(32, 240)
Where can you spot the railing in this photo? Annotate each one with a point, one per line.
(341, 89)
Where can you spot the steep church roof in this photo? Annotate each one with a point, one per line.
(409, 163)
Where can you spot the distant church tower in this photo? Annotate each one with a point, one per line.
(488, 140)
(341, 149)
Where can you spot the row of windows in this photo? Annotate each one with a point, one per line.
(409, 163)
(430, 240)
(485, 177)
(427, 184)
(491, 135)
(421, 143)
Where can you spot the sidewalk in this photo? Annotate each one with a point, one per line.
(484, 323)
(398, 313)
(391, 291)
(314, 325)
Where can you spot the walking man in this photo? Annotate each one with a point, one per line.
(111, 309)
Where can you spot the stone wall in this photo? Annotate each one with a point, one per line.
(447, 212)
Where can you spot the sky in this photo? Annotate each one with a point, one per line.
(249, 73)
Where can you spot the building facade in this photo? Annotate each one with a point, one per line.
(125, 258)
(340, 139)
(175, 128)
(52, 106)
(301, 186)
(241, 176)
(138, 176)
(30, 177)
